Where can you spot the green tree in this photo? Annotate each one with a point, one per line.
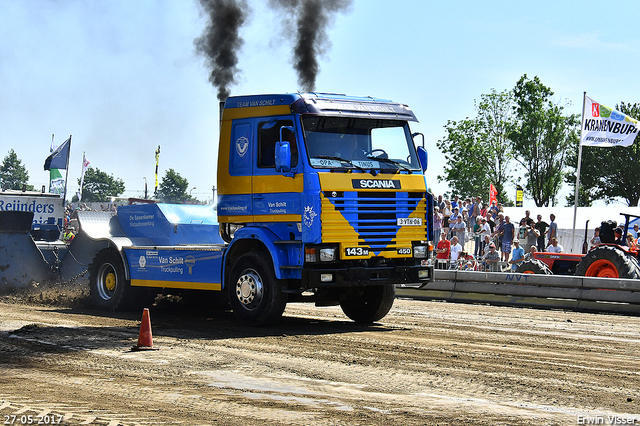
(99, 186)
(173, 188)
(542, 139)
(609, 173)
(478, 150)
(13, 174)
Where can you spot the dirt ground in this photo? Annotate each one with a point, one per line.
(426, 363)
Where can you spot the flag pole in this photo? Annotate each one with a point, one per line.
(81, 178)
(575, 204)
(51, 148)
(66, 178)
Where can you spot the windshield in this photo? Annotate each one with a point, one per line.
(342, 142)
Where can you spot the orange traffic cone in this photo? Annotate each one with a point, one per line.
(145, 340)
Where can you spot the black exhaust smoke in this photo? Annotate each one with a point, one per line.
(312, 18)
(221, 41)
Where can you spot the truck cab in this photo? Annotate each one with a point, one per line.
(330, 190)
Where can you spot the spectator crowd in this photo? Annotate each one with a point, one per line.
(492, 238)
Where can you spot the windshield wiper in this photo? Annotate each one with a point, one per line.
(394, 162)
(331, 157)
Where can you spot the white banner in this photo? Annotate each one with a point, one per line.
(605, 127)
(56, 186)
(85, 165)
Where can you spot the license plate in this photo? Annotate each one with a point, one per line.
(356, 251)
(409, 221)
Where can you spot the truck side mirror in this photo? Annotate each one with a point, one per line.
(283, 153)
(413, 136)
(283, 157)
(424, 158)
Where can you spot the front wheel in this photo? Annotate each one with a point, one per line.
(369, 304)
(534, 266)
(255, 294)
(608, 262)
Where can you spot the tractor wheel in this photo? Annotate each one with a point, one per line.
(369, 304)
(255, 294)
(608, 262)
(534, 266)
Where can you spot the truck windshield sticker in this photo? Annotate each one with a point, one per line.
(331, 163)
(308, 216)
(242, 145)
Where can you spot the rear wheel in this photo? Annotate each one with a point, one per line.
(534, 266)
(608, 262)
(369, 304)
(255, 294)
(106, 280)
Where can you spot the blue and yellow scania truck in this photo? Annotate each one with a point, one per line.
(321, 198)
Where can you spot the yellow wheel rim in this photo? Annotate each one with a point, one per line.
(110, 281)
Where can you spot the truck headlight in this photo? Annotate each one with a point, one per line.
(327, 254)
(419, 252)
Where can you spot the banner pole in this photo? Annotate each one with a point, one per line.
(575, 204)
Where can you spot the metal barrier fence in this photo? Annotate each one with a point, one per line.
(470, 264)
(544, 291)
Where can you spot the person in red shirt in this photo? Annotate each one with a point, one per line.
(443, 248)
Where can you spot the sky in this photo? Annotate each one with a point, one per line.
(123, 77)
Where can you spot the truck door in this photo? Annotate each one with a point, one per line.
(234, 202)
(276, 198)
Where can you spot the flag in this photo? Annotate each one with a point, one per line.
(59, 158)
(519, 196)
(85, 166)
(56, 182)
(605, 127)
(493, 195)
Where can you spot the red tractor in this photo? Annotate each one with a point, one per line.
(607, 259)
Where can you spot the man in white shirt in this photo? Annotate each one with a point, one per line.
(484, 231)
(456, 249)
(555, 247)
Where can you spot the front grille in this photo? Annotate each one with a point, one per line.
(373, 216)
